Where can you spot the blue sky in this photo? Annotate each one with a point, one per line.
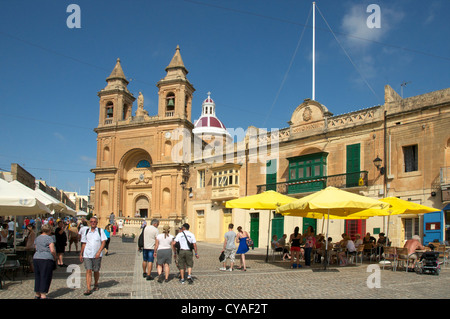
(253, 55)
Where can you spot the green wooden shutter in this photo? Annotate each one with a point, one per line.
(353, 164)
(277, 226)
(254, 228)
(271, 178)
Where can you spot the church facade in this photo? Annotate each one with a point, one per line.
(169, 167)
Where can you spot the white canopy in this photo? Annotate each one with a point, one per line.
(49, 201)
(81, 213)
(15, 202)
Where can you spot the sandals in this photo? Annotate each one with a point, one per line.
(89, 292)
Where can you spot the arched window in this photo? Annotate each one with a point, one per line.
(170, 103)
(143, 163)
(109, 109)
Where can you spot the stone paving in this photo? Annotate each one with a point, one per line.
(121, 278)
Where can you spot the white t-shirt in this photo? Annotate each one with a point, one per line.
(150, 233)
(164, 243)
(182, 240)
(351, 246)
(93, 242)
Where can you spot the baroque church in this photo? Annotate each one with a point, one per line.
(169, 167)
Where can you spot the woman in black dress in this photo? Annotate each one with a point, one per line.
(60, 243)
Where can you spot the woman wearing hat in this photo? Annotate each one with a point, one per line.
(164, 245)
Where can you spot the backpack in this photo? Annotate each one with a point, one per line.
(141, 239)
(99, 232)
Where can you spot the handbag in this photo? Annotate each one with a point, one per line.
(190, 245)
(222, 257)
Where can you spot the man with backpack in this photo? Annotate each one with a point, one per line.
(187, 247)
(93, 241)
(149, 236)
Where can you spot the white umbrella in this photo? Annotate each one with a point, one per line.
(14, 201)
(17, 202)
(81, 213)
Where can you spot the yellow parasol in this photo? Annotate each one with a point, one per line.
(268, 200)
(401, 206)
(333, 202)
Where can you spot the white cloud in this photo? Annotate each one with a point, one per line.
(59, 136)
(89, 160)
(359, 35)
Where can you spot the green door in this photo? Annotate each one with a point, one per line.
(353, 164)
(309, 222)
(271, 175)
(254, 228)
(277, 225)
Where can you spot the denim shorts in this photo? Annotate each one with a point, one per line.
(148, 255)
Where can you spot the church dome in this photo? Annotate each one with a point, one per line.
(208, 123)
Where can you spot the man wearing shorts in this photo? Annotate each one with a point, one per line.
(93, 242)
(150, 233)
(229, 248)
(186, 255)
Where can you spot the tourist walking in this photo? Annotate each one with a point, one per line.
(93, 241)
(60, 242)
(73, 237)
(4, 234)
(44, 262)
(29, 246)
(242, 238)
(229, 248)
(108, 236)
(187, 249)
(164, 247)
(150, 233)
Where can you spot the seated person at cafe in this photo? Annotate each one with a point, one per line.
(413, 244)
(282, 243)
(382, 241)
(277, 247)
(358, 240)
(369, 243)
(350, 248)
(320, 248)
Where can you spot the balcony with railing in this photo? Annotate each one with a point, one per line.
(444, 177)
(348, 180)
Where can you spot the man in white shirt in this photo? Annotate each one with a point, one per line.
(150, 233)
(93, 242)
(186, 254)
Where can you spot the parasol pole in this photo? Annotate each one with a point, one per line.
(326, 241)
(268, 238)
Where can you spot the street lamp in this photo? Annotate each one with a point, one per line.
(377, 162)
(183, 186)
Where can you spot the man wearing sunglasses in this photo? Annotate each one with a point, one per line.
(93, 241)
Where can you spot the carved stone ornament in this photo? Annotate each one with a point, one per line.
(307, 114)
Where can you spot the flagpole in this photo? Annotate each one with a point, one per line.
(314, 54)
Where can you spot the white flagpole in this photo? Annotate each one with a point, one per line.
(314, 54)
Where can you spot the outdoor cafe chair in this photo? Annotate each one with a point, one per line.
(390, 257)
(7, 265)
(443, 252)
(360, 253)
(403, 257)
(276, 252)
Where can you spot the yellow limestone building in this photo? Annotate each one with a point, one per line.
(169, 167)
(135, 175)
